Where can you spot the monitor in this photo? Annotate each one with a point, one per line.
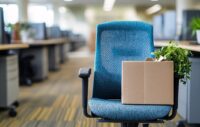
(158, 27)
(169, 25)
(54, 32)
(188, 15)
(39, 30)
(2, 32)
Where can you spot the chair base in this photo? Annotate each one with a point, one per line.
(129, 124)
(133, 125)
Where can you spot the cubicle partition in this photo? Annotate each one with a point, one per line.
(39, 63)
(165, 26)
(188, 15)
(169, 25)
(60, 51)
(188, 93)
(158, 27)
(39, 31)
(54, 32)
(54, 50)
(39, 53)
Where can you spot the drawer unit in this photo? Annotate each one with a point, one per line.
(9, 80)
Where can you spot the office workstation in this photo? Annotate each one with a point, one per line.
(189, 45)
(90, 63)
(47, 54)
(187, 95)
(9, 77)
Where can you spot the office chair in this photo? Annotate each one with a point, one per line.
(26, 70)
(118, 41)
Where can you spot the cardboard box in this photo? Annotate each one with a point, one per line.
(148, 82)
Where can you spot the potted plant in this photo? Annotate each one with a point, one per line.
(24, 31)
(180, 57)
(195, 26)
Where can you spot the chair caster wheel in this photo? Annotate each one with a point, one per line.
(16, 104)
(12, 112)
(180, 124)
(28, 82)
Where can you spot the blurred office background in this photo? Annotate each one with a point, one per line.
(78, 18)
(56, 100)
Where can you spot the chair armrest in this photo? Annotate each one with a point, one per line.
(84, 73)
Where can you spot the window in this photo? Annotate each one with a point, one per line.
(10, 13)
(40, 13)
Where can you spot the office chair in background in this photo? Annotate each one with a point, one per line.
(116, 42)
(26, 70)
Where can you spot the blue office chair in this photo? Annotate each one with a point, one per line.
(116, 42)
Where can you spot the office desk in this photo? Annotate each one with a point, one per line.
(189, 94)
(183, 44)
(47, 42)
(9, 74)
(6, 47)
(46, 56)
(56, 50)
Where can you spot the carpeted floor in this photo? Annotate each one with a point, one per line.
(56, 102)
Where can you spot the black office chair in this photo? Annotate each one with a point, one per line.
(26, 70)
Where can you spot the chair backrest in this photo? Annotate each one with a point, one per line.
(117, 41)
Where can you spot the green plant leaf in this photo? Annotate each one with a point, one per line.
(182, 65)
(195, 25)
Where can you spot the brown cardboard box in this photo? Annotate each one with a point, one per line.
(147, 82)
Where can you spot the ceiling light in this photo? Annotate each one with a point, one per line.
(108, 5)
(153, 9)
(154, 0)
(62, 9)
(67, 0)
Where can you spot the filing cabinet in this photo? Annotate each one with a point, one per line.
(9, 82)
(189, 95)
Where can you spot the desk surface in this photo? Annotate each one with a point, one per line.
(45, 42)
(183, 44)
(4, 47)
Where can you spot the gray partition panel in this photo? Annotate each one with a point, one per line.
(158, 26)
(189, 102)
(169, 25)
(62, 53)
(40, 61)
(194, 92)
(54, 57)
(183, 100)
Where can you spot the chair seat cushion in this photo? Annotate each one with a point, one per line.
(114, 110)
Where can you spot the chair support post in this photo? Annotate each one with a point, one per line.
(84, 73)
(85, 95)
(129, 124)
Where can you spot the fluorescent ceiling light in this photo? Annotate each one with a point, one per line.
(67, 0)
(154, 0)
(153, 9)
(108, 5)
